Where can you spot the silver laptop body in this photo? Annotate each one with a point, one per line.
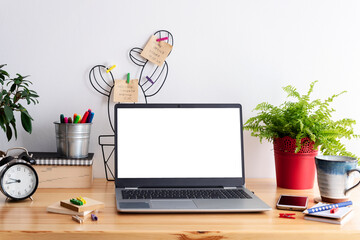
(165, 150)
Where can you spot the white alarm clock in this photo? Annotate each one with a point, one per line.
(18, 179)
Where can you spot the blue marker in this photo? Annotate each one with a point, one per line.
(88, 117)
(91, 116)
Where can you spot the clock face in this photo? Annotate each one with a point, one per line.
(19, 181)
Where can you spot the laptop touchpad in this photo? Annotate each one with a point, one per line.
(173, 204)
(134, 205)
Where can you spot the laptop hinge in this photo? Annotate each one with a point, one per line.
(131, 188)
(229, 187)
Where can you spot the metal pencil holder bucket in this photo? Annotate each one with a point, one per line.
(72, 139)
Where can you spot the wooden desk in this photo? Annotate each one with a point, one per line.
(29, 220)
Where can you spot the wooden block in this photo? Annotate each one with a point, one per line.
(90, 205)
(51, 176)
(56, 208)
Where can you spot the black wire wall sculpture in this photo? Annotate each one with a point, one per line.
(151, 80)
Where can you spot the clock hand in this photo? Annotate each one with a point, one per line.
(16, 180)
(10, 182)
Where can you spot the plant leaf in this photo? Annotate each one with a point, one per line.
(8, 132)
(8, 113)
(13, 124)
(26, 122)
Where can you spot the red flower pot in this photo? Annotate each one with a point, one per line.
(294, 170)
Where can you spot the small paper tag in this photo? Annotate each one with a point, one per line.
(156, 52)
(126, 92)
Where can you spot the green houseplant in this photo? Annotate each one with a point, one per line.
(13, 92)
(301, 123)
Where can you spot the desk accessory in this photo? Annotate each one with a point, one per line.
(287, 215)
(298, 139)
(150, 83)
(340, 217)
(80, 219)
(72, 140)
(321, 207)
(335, 178)
(18, 179)
(56, 208)
(56, 171)
(296, 203)
(53, 158)
(91, 204)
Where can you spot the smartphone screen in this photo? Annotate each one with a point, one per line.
(292, 200)
(296, 203)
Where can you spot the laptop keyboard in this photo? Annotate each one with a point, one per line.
(184, 194)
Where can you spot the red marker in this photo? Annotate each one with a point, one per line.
(86, 114)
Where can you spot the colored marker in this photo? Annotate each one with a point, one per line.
(74, 117)
(62, 119)
(162, 39)
(94, 217)
(88, 117)
(149, 79)
(111, 68)
(91, 116)
(65, 120)
(128, 78)
(327, 207)
(77, 119)
(83, 120)
(69, 120)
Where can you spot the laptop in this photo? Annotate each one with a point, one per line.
(181, 158)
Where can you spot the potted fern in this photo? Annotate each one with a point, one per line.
(298, 129)
(10, 102)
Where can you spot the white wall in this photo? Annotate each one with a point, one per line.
(225, 51)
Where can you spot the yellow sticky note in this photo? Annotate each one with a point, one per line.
(156, 52)
(126, 92)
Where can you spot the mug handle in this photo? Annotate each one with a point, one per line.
(348, 173)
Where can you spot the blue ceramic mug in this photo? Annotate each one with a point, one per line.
(334, 177)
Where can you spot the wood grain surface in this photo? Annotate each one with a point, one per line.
(29, 219)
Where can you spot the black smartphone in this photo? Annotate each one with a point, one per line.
(296, 203)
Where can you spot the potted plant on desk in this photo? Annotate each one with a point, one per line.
(297, 130)
(10, 102)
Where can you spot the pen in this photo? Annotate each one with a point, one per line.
(327, 207)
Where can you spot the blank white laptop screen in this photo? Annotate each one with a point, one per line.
(179, 143)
